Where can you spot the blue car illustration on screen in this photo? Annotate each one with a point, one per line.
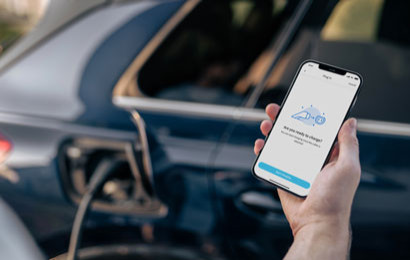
(310, 116)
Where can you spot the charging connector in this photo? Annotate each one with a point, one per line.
(101, 174)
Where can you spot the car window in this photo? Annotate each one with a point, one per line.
(206, 55)
(371, 37)
(17, 18)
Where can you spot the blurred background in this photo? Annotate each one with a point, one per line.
(169, 94)
(18, 18)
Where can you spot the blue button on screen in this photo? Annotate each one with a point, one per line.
(284, 175)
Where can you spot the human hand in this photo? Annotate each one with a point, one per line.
(328, 204)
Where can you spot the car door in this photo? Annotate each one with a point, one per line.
(186, 86)
(377, 47)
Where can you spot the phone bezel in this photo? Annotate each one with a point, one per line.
(328, 67)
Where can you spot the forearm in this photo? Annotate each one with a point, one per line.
(321, 241)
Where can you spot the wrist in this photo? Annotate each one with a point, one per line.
(333, 230)
(331, 222)
(323, 240)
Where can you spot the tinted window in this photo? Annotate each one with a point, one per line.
(17, 18)
(205, 57)
(371, 37)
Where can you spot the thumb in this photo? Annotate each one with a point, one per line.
(348, 143)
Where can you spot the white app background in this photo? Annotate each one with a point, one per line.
(306, 127)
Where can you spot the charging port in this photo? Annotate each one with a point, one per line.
(125, 192)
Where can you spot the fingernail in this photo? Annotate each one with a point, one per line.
(353, 123)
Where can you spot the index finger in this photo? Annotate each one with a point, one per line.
(272, 110)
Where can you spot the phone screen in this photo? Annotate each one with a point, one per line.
(306, 126)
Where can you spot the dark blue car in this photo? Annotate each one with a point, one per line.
(173, 91)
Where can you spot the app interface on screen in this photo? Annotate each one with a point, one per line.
(305, 130)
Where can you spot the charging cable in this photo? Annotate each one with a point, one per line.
(101, 174)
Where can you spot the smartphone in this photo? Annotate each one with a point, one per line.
(305, 130)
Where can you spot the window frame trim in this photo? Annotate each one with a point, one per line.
(243, 114)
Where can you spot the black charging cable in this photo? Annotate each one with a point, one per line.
(101, 174)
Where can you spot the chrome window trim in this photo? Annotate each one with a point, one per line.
(250, 115)
(383, 127)
(175, 107)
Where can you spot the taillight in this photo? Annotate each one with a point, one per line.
(5, 147)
